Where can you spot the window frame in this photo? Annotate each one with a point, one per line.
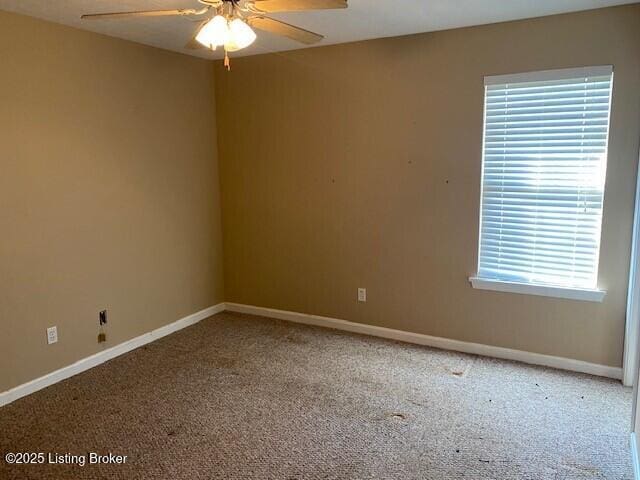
(595, 294)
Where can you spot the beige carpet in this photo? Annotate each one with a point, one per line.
(240, 397)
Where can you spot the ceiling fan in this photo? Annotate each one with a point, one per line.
(230, 26)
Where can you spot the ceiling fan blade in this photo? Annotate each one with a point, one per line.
(280, 28)
(144, 13)
(270, 6)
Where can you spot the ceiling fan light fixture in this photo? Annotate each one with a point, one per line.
(234, 34)
(214, 33)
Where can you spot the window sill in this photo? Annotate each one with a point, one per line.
(586, 294)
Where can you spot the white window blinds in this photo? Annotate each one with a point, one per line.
(543, 172)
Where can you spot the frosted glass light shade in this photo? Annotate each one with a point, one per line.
(214, 33)
(241, 35)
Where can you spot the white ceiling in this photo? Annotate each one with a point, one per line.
(364, 19)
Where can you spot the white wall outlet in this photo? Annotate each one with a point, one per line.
(362, 294)
(52, 335)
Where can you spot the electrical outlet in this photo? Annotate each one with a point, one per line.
(102, 337)
(52, 335)
(102, 317)
(362, 294)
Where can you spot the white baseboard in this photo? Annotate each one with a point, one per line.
(634, 456)
(105, 355)
(416, 338)
(437, 342)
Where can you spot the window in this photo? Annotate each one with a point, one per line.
(543, 172)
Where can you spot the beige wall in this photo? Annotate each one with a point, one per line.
(342, 167)
(359, 166)
(108, 192)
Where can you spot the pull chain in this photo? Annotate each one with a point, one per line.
(227, 62)
(232, 8)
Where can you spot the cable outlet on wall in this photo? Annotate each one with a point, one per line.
(52, 335)
(362, 294)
